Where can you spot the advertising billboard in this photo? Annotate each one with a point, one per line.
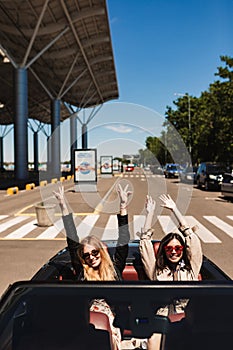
(106, 164)
(85, 165)
(116, 165)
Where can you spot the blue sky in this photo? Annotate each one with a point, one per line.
(167, 46)
(161, 47)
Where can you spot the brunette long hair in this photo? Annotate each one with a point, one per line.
(161, 259)
(105, 271)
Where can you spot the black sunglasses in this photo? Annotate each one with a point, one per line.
(94, 253)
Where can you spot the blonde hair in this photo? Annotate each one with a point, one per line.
(105, 271)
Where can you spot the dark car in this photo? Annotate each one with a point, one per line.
(210, 175)
(56, 316)
(189, 174)
(172, 170)
(227, 185)
(52, 312)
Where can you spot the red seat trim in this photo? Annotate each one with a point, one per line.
(101, 321)
(130, 273)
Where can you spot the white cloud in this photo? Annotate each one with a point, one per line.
(122, 129)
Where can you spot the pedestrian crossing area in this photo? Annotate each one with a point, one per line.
(212, 229)
(139, 175)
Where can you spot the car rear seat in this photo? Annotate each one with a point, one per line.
(101, 321)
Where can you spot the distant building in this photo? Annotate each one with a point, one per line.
(133, 158)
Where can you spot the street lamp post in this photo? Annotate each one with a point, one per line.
(189, 120)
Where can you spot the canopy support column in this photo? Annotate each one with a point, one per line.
(35, 144)
(84, 135)
(1, 154)
(73, 140)
(55, 138)
(20, 124)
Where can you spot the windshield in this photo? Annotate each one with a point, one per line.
(216, 169)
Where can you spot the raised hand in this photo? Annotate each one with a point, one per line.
(123, 194)
(167, 202)
(150, 204)
(60, 195)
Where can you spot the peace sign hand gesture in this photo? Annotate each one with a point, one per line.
(123, 194)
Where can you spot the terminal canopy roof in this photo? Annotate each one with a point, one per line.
(65, 46)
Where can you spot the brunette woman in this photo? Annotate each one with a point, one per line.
(179, 257)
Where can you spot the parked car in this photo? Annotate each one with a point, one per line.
(52, 312)
(172, 170)
(210, 175)
(189, 174)
(227, 185)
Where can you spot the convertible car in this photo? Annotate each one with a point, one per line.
(51, 311)
(59, 268)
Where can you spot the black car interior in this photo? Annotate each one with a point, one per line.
(39, 316)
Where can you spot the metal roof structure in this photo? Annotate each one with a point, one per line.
(65, 45)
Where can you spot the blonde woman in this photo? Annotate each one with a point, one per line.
(90, 258)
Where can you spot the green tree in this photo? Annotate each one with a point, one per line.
(211, 118)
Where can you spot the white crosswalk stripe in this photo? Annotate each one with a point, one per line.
(4, 226)
(111, 231)
(52, 231)
(23, 230)
(228, 229)
(205, 235)
(138, 223)
(3, 217)
(87, 223)
(167, 223)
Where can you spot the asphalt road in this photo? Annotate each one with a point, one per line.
(21, 258)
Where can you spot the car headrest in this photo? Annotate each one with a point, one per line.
(156, 247)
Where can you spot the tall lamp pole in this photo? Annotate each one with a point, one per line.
(189, 120)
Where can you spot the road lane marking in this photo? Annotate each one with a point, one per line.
(111, 228)
(52, 231)
(228, 229)
(3, 217)
(86, 225)
(138, 224)
(167, 223)
(21, 212)
(205, 235)
(99, 206)
(11, 223)
(22, 231)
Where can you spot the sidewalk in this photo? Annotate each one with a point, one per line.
(7, 179)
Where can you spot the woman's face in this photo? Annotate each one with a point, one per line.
(174, 251)
(91, 256)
